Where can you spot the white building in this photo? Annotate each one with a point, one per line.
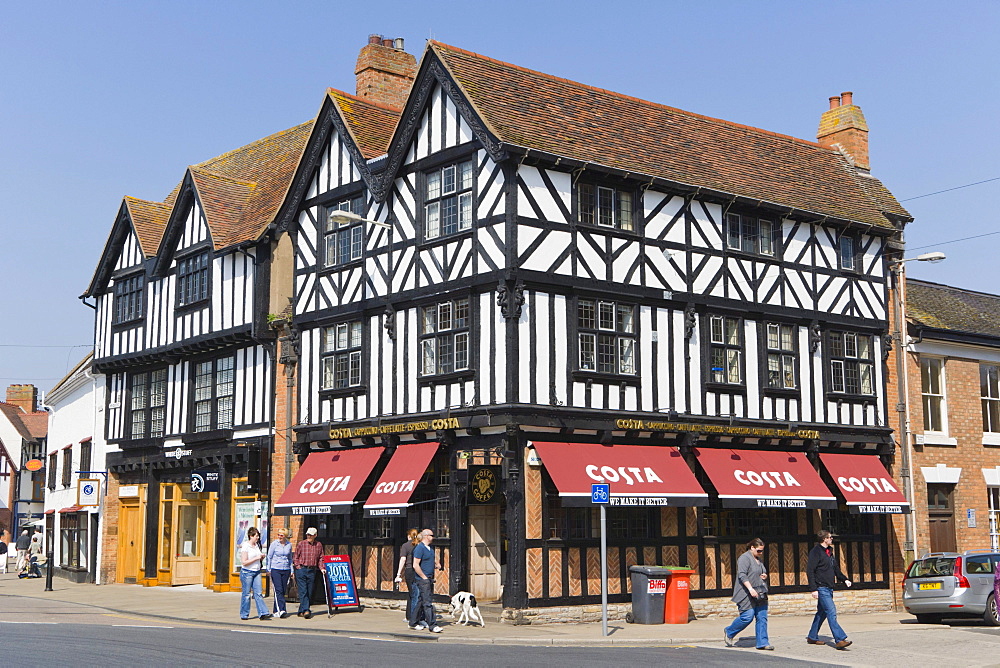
(76, 452)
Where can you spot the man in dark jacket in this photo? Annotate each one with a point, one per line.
(823, 573)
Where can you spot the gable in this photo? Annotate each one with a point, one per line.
(122, 250)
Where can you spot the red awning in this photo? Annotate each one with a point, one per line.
(71, 509)
(393, 490)
(328, 482)
(638, 475)
(762, 479)
(865, 484)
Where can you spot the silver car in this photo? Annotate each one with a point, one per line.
(949, 584)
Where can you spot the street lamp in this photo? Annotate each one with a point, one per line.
(348, 217)
(902, 389)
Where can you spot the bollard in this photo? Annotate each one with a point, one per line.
(48, 571)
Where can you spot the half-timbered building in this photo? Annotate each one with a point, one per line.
(181, 301)
(508, 286)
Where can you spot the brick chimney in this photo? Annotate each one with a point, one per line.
(385, 72)
(25, 396)
(843, 126)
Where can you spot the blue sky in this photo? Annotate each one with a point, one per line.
(104, 99)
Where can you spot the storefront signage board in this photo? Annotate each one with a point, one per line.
(338, 578)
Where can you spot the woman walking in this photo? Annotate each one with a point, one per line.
(250, 558)
(279, 566)
(750, 596)
(405, 570)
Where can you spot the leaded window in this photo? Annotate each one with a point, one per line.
(852, 366)
(444, 337)
(448, 200)
(148, 404)
(214, 389)
(606, 336)
(342, 355)
(750, 234)
(128, 298)
(605, 207)
(989, 381)
(192, 279)
(725, 350)
(781, 356)
(343, 241)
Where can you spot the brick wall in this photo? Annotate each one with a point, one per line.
(109, 537)
(385, 74)
(280, 466)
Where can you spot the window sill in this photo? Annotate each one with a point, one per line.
(442, 378)
(991, 438)
(337, 392)
(128, 324)
(613, 231)
(206, 436)
(937, 438)
(731, 388)
(334, 268)
(443, 239)
(851, 398)
(747, 255)
(193, 306)
(789, 392)
(605, 378)
(139, 443)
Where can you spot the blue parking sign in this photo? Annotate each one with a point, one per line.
(600, 493)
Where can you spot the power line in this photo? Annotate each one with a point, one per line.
(954, 241)
(948, 190)
(24, 345)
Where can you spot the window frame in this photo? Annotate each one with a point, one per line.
(67, 466)
(990, 397)
(213, 398)
(616, 209)
(743, 235)
(133, 308)
(330, 237)
(929, 399)
(725, 347)
(184, 271)
(599, 328)
(53, 466)
(855, 252)
(148, 409)
(424, 338)
(845, 359)
(434, 180)
(785, 356)
(349, 351)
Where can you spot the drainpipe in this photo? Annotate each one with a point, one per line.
(902, 410)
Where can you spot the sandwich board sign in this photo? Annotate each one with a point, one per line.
(338, 578)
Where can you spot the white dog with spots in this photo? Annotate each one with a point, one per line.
(466, 603)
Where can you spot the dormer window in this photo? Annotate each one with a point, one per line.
(192, 279)
(343, 241)
(448, 200)
(605, 207)
(128, 298)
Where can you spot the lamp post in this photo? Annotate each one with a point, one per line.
(902, 389)
(348, 217)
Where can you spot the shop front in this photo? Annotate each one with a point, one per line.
(508, 497)
(182, 512)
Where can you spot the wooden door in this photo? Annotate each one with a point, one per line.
(189, 544)
(942, 530)
(484, 552)
(130, 535)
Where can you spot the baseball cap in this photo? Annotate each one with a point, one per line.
(311, 531)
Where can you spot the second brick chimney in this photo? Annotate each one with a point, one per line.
(25, 396)
(843, 126)
(385, 72)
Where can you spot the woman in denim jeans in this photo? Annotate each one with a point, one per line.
(750, 596)
(250, 559)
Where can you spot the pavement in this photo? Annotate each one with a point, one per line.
(195, 604)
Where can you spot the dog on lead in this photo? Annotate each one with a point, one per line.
(465, 609)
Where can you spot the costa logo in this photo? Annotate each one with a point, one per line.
(629, 474)
(772, 479)
(395, 486)
(323, 485)
(870, 485)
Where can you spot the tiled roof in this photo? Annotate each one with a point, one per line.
(149, 220)
(37, 423)
(371, 125)
(954, 309)
(15, 415)
(241, 190)
(565, 118)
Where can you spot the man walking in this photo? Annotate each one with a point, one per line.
(423, 568)
(823, 573)
(307, 562)
(22, 545)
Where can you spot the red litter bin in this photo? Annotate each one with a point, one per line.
(675, 606)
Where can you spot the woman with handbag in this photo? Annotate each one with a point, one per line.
(750, 596)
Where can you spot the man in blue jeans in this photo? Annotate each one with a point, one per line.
(823, 573)
(423, 569)
(307, 562)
